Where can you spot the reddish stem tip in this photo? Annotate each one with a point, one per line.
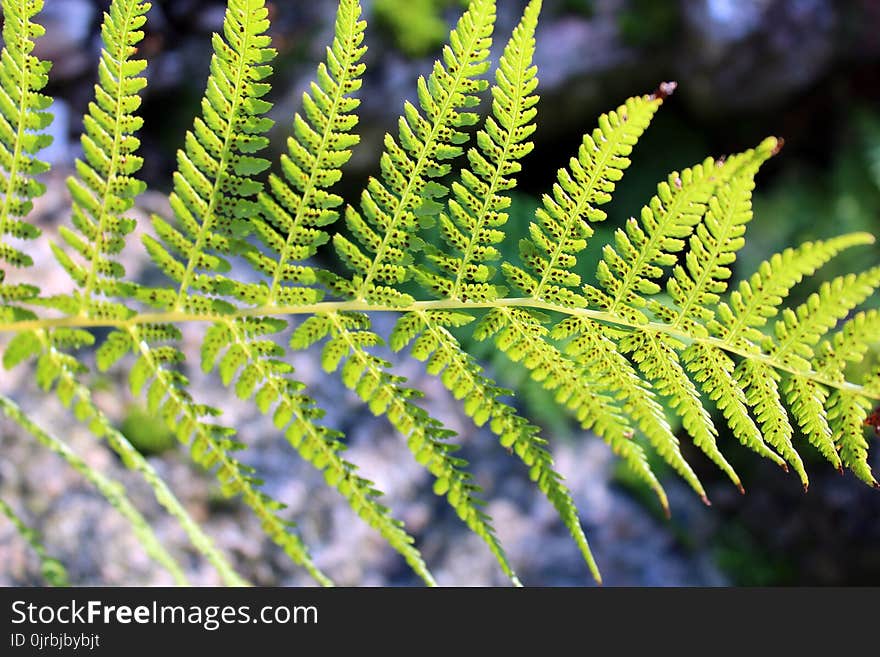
(665, 90)
(780, 143)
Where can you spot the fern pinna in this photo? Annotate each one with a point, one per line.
(660, 332)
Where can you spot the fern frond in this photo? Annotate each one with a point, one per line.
(215, 185)
(408, 193)
(656, 357)
(52, 570)
(293, 210)
(432, 342)
(758, 298)
(630, 268)
(23, 120)
(714, 371)
(213, 190)
(756, 301)
(103, 193)
(563, 227)
(113, 491)
(61, 371)
(521, 336)
(298, 205)
(696, 286)
(842, 442)
(106, 187)
(251, 361)
(592, 349)
(476, 211)
(848, 344)
(800, 329)
(847, 413)
(363, 372)
(610, 353)
(807, 400)
(470, 228)
(210, 445)
(761, 385)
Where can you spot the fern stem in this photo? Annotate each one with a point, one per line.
(112, 490)
(324, 307)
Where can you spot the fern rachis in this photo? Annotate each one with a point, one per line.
(612, 354)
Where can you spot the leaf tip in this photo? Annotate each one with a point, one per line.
(778, 146)
(665, 90)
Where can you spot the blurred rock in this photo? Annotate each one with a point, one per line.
(754, 54)
(59, 153)
(69, 24)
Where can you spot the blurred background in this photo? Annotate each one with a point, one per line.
(804, 70)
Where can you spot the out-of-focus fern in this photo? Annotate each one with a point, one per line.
(661, 329)
(52, 570)
(418, 27)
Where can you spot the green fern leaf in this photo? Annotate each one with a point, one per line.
(757, 299)
(610, 354)
(471, 228)
(596, 353)
(253, 362)
(23, 120)
(563, 225)
(476, 212)
(62, 371)
(113, 491)
(395, 205)
(629, 270)
(53, 571)
(460, 373)
(426, 438)
(299, 204)
(847, 413)
(657, 358)
(803, 328)
(800, 329)
(106, 188)
(521, 336)
(214, 185)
